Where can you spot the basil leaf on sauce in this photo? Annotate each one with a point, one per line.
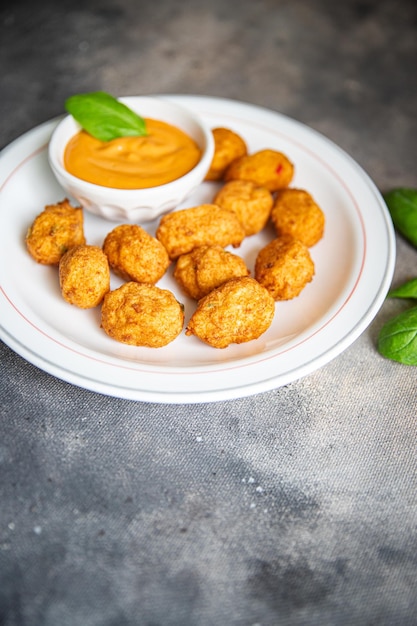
(398, 338)
(104, 117)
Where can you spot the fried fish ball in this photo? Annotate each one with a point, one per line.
(296, 213)
(135, 255)
(142, 315)
(268, 168)
(206, 224)
(251, 203)
(236, 312)
(84, 276)
(228, 146)
(54, 231)
(284, 267)
(203, 269)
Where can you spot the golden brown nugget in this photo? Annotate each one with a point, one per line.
(296, 213)
(228, 146)
(54, 231)
(207, 267)
(251, 203)
(84, 276)
(203, 225)
(236, 312)
(135, 255)
(142, 315)
(267, 168)
(284, 267)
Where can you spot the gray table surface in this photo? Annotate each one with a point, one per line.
(294, 506)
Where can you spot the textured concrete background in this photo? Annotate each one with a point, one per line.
(296, 506)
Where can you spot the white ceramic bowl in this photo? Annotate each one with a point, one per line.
(135, 205)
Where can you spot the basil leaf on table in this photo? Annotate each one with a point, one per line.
(402, 205)
(104, 117)
(398, 338)
(406, 290)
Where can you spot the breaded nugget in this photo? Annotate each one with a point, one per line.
(142, 315)
(206, 224)
(228, 146)
(54, 231)
(251, 203)
(84, 276)
(135, 255)
(268, 168)
(203, 269)
(238, 311)
(296, 213)
(284, 267)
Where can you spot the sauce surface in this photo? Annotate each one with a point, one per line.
(163, 155)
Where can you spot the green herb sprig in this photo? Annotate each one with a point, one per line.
(397, 339)
(104, 117)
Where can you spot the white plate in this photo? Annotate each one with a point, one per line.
(354, 266)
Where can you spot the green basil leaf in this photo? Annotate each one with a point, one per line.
(406, 290)
(104, 117)
(402, 205)
(398, 338)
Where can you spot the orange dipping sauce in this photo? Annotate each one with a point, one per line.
(163, 155)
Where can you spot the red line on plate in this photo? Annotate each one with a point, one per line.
(21, 164)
